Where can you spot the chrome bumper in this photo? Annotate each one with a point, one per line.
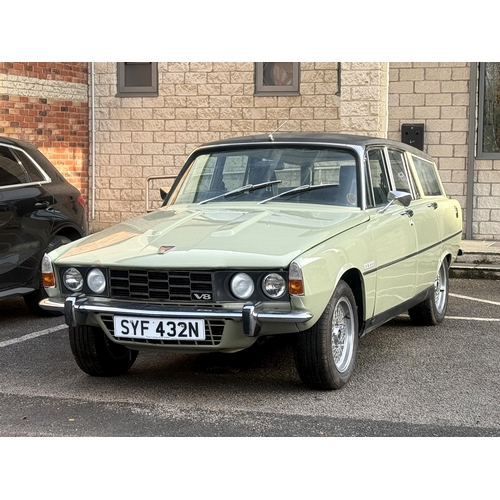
(251, 315)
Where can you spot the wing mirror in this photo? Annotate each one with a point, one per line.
(393, 196)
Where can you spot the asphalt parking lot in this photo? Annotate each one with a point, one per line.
(409, 381)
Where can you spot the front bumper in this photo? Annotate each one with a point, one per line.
(76, 307)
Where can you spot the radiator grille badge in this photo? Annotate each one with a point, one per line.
(165, 249)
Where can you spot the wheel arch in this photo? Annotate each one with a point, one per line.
(68, 231)
(356, 283)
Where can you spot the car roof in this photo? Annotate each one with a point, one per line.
(324, 138)
(9, 141)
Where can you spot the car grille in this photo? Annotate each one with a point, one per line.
(213, 333)
(141, 284)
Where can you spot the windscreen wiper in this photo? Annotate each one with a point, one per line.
(299, 189)
(241, 189)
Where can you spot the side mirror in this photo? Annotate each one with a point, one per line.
(164, 193)
(393, 196)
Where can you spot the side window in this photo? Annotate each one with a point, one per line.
(428, 176)
(136, 79)
(399, 174)
(379, 178)
(11, 170)
(34, 172)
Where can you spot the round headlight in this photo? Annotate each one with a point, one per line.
(242, 286)
(96, 281)
(274, 286)
(73, 279)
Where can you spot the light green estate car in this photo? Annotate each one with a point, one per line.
(321, 236)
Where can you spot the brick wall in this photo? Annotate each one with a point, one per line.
(198, 102)
(47, 104)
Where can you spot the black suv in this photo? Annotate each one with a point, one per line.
(39, 211)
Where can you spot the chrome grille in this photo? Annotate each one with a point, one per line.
(213, 333)
(142, 284)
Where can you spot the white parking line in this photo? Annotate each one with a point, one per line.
(33, 335)
(477, 300)
(472, 319)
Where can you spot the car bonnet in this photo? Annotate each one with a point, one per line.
(212, 236)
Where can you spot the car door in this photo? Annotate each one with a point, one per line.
(394, 239)
(25, 221)
(424, 216)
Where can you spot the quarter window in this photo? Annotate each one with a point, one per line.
(12, 171)
(277, 78)
(399, 173)
(379, 178)
(137, 79)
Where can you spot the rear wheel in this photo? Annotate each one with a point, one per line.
(96, 355)
(433, 309)
(325, 354)
(33, 299)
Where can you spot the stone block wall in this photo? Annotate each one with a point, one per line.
(437, 95)
(47, 104)
(140, 137)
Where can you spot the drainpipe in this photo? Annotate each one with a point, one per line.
(469, 207)
(92, 141)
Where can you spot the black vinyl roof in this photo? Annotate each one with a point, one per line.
(313, 138)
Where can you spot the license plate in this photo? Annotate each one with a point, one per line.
(133, 327)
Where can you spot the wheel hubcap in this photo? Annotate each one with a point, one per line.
(342, 334)
(440, 288)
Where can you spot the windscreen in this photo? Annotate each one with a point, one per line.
(288, 175)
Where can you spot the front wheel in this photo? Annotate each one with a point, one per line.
(433, 309)
(325, 354)
(96, 355)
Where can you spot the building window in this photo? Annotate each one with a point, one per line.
(137, 79)
(277, 78)
(489, 110)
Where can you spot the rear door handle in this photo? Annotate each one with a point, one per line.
(42, 204)
(432, 205)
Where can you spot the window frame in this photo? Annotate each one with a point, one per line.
(276, 90)
(27, 167)
(137, 91)
(480, 154)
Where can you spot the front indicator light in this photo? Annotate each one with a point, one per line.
(296, 287)
(48, 277)
(295, 279)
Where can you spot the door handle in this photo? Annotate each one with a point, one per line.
(408, 212)
(42, 204)
(432, 205)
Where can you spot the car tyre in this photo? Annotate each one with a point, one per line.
(32, 300)
(432, 310)
(325, 354)
(97, 355)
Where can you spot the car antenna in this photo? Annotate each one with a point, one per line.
(271, 138)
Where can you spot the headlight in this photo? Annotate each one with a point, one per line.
(96, 281)
(274, 286)
(73, 279)
(242, 286)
